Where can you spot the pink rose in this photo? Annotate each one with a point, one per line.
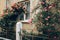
(41, 15)
(2, 15)
(54, 36)
(39, 3)
(42, 3)
(46, 18)
(53, 24)
(47, 24)
(50, 7)
(30, 20)
(46, 9)
(24, 7)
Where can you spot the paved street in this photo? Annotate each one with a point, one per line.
(1, 38)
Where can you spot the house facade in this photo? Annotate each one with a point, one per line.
(8, 3)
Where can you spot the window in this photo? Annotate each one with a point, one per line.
(27, 15)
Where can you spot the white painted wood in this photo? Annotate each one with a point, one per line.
(18, 30)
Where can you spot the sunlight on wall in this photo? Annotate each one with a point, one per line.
(2, 5)
(33, 4)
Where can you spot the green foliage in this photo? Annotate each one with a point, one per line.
(7, 22)
(48, 21)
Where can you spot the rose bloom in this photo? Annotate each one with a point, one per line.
(46, 9)
(46, 18)
(50, 7)
(2, 14)
(30, 20)
(42, 3)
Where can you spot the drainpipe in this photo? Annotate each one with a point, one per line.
(6, 4)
